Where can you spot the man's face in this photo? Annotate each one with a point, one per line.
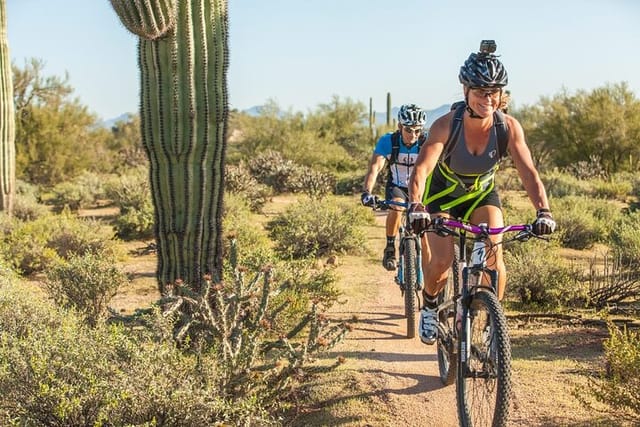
(410, 134)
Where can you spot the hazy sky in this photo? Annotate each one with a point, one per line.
(302, 52)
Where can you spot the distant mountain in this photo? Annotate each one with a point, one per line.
(122, 117)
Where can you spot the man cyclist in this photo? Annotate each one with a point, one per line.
(454, 176)
(400, 150)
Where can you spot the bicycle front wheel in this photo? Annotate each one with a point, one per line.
(409, 259)
(483, 386)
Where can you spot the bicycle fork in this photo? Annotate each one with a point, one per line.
(471, 280)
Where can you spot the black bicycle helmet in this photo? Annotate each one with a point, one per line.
(483, 69)
(411, 115)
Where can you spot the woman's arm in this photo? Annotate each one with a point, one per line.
(521, 156)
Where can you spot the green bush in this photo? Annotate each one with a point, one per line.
(54, 370)
(136, 223)
(85, 283)
(562, 184)
(27, 208)
(312, 228)
(238, 179)
(625, 236)
(538, 276)
(583, 221)
(311, 182)
(272, 169)
(612, 188)
(350, 184)
(132, 194)
(254, 246)
(81, 192)
(617, 387)
(33, 246)
(130, 191)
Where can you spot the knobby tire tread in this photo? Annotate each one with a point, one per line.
(409, 254)
(466, 410)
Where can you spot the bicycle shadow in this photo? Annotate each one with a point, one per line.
(369, 323)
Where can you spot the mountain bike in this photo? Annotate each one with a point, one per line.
(473, 344)
(409, 271)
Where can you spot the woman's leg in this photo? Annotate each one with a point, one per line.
(492, 215)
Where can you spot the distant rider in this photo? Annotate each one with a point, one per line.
(399, 150)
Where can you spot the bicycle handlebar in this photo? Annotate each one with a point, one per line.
(439, 223)
(384, 204)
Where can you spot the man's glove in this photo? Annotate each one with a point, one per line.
(419, 218)
(369, 199)
(544, 223)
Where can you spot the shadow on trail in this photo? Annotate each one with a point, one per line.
(382, 356)
(370, 385)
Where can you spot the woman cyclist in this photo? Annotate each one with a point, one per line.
(454, 175)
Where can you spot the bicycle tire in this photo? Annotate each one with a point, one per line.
(446, 344)
(483, 386)
(410, 276)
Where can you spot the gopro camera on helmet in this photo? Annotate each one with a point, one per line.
(488, 46)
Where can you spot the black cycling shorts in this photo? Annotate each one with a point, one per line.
(459, 211)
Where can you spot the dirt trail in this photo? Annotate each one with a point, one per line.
(404, 372)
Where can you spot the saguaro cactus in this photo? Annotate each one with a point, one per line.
(183, 60)
(7, 120)
(388, 109)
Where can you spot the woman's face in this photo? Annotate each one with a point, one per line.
(483, 101)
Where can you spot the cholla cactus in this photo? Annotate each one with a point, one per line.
(7, 120)
(183, 60)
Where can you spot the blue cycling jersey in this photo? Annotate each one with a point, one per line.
(401, 170)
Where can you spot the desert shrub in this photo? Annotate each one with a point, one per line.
(27, 208)
(562, 184)
(54, 370)
(587, 169)
(538, 276)
(35, 245)
(314, 228)
(617, 386)
(132, 194)
(583, 221)
(81, 192)
(350, 184)
(71, 195)
(625, 236)
(86, 283)
(135, 223)
(130, 191)
(238, 179)
(612, 188)
(272, 169)
(254, 246)
(25, 247)
(311, 182)
(27, 189)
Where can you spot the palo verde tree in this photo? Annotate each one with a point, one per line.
(7, 120)
(183, 60)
